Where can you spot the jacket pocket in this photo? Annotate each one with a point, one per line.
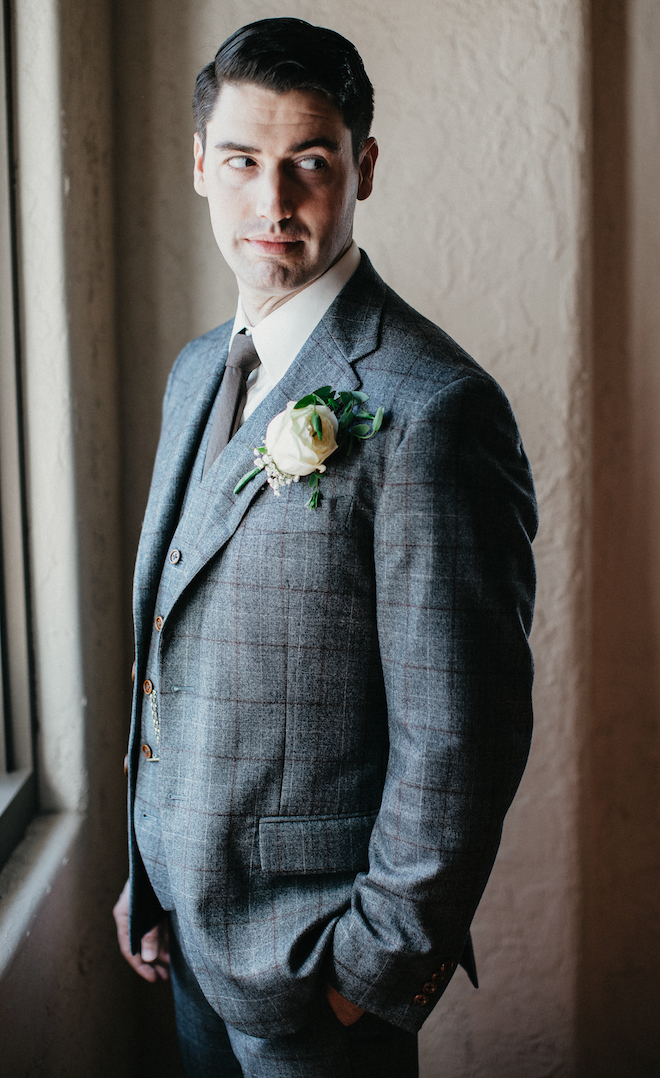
(333, 513)
(307, 845)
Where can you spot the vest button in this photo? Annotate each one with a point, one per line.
(158, 623)
(146, 751)
(175, 556)
(148, 687)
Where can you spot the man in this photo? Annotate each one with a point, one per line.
(332, 708)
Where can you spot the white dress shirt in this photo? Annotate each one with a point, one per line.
(280, 335)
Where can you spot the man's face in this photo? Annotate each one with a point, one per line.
(281, 182)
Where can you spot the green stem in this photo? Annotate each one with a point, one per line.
(246, 479)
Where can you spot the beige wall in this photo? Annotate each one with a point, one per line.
(515, 195)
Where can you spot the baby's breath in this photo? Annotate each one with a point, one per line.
(276, 478)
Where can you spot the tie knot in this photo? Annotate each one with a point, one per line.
(243, 354)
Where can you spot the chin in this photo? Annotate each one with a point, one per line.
(280, 278)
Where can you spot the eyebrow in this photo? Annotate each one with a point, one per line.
(308, 144)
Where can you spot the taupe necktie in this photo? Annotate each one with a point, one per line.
(232, 395)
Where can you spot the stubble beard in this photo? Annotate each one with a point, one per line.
(271, 276)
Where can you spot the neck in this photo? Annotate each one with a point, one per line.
(257, 307)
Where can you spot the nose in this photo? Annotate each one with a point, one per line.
(275, 201)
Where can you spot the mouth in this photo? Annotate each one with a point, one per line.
(273, 245)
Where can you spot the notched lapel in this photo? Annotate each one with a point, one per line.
(174, 460)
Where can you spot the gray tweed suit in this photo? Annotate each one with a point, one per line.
(343, 694)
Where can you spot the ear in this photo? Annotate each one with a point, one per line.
(368, 155)
(199, 183)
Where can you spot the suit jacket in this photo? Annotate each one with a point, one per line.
(345, 692)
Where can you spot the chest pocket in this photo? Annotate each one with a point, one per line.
(331, 514)
(288, 514)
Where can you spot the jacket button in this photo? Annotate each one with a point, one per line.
(445, 969)
(158, 623)
(175, 556)
(430, 987)
(147, 686)
(126, 764)
(421, 1000)
(133, 668)
(146, 751)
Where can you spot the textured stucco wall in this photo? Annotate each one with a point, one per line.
(477, 219)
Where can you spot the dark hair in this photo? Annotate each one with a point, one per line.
(290, 54)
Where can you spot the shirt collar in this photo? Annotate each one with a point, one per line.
(280, 335)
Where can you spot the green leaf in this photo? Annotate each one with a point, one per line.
(361, 398)
(346, 398)
(316, 494)
(325, 392)
(345, 419)
(246, 479)
(317, 426)
(304, 402)
(378, 421)
(360, 430)
(363, 415)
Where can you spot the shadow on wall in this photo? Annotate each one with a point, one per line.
(619, 988)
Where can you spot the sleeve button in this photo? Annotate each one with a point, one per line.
(146, 751)
(421, 1000)
(148, 687)
(158, 623)
(430, 987)
(175, 556)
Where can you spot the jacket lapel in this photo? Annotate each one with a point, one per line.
(348, 331)
(174, 461)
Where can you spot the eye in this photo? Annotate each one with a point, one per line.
(311, 164)
(240, 162)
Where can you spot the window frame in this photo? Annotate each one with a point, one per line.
(18, 786)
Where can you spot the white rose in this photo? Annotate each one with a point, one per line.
(292, 444)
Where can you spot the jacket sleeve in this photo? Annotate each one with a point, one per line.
(455, 589)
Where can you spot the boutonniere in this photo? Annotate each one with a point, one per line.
(301, 438)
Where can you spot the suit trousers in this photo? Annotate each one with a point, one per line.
(322, 1049)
